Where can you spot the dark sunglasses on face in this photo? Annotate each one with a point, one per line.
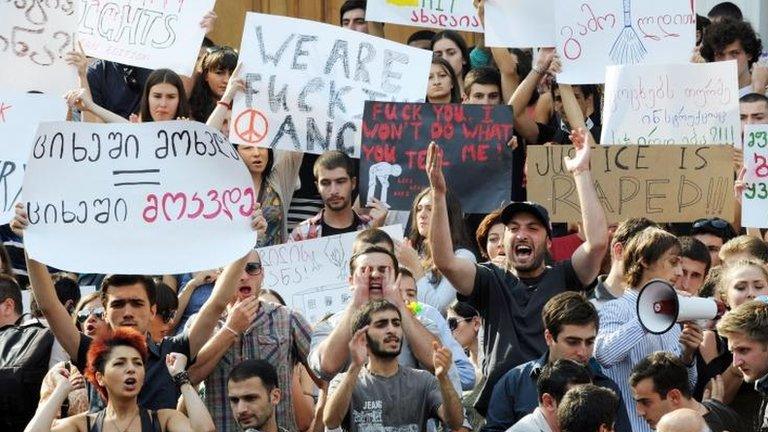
(167, 315)
(83, 315)
(253, 268)
(453, 322)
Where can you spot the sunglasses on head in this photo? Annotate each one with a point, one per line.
(83, 315)
(167, 315)
(713, 222)
(253, 268)
(453, 322)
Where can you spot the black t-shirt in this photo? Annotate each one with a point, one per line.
(158, 391)
(329, 230)
(722, 418)
(117, 87)
(511, 311)
(553, 132)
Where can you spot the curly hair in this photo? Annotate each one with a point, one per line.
(100, 350)
(723, 33)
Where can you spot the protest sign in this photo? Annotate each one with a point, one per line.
(459, 15)
(695, 103)
(152, 198)
(477, 162)
(754, 199)
(533, 22)
(593, 34)
(312, 275)
(34, 37)
(20, 113)
(664, 183)
(151, 34)
(306, 83)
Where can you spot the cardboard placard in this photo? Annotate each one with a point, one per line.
(664, 183)
(459, 15)
(477, 161)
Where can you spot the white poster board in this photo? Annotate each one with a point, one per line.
(695, 103)
(533, 22)
(593, 34)
(20, 113)
(307, 83)
(459, 15)
(34, 37)
(151, 198)
(311, 275)
(152, 34)
(754, 200)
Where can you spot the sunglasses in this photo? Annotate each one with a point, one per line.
(714, 222)
(453, 322)
(253, 268)
(83, 315)
(167, 315)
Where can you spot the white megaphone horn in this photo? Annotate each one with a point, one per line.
(659, 307)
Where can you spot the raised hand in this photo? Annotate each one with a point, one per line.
(176, 363)
(258, 221)
(580, 160)
(378, 212)
(739, 185)
(208, 21)
(407, 256)
(442, 359)
(20, 221)
(390, 286)
(79, 99)
(241, 314)
(715, 390)
(435, 169)
(358, 347)
(360, 285)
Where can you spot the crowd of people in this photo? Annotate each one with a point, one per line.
(525, 326)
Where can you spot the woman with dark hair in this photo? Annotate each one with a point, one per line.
(433, 288)
(116, 369)
(162, 99)
(443, 85)
(166, 303)
(216, 67)
(490, 236)
(465, 323)
(449, 45)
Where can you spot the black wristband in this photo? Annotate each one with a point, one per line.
(181, 378)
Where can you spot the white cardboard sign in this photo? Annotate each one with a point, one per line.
(520, 23)
(459, 15)
(152, 198)
(307, 82)
(754, 200)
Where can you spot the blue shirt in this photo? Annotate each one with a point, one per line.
(443, 332)
(515, 395)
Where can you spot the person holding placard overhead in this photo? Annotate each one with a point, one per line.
(129, 301)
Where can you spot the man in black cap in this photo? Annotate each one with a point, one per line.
(511, 299)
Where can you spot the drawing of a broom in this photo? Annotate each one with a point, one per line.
(628, 48)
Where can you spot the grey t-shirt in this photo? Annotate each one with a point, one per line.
(400, 403)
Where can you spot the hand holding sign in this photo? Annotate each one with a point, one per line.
(580, 162)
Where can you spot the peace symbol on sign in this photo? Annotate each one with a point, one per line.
(251, 126)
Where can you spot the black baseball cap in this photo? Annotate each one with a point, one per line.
(537, 210)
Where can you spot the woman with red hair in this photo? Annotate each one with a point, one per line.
(116, 370)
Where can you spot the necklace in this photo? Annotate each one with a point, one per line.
(117, 428)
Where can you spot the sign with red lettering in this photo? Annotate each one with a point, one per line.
(477, 162)
(149, 198)
(754, 199)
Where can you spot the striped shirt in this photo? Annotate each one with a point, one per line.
(622, 342)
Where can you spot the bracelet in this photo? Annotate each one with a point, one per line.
(181, 378)
(537, 70)
(228, 105)
(227, 327)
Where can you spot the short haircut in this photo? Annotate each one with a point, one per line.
(371, 237)
(363, 316)
(165, 298)
(694, 249)
(710, 226)
(665, 370)
(464, 309)
(333, 159)
(255, 368)
(482, 75)
(9, 289)
(555, 378)
(426, 35)
(644, 249)
(484, 229)
(100, 348)
(753, 97)
(725, 10)
(629, 228)
(124, 280)
(67, 289)
(749, 319)
(351, 5)
(723, 33)
(711, 284)
(753, 246)
(568, 308)
(405, 272)
(370, 250)
(587, 407)
(586, 89)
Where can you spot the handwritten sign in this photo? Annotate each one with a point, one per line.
(754, 200)
(34, 36)
(533, 22)
(664, 183)
(151, 33)
(593, 34)
(672, 104)
(312, 275)
(307, 83)
(477, 161)
(20, 113)
(442, 14)
(153, 198)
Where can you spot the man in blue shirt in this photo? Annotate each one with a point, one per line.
(571, 324)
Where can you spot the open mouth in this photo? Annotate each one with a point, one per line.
(392, 340)
(523, 251)
(245, 291)
(90, 328)
(130, 383)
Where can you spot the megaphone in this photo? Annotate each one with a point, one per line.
(659, 307)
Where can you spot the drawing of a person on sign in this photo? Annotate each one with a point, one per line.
(380, 173)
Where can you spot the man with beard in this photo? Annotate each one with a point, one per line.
(511, 299)
(382, 395)
(335, 178)
(253, 396)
